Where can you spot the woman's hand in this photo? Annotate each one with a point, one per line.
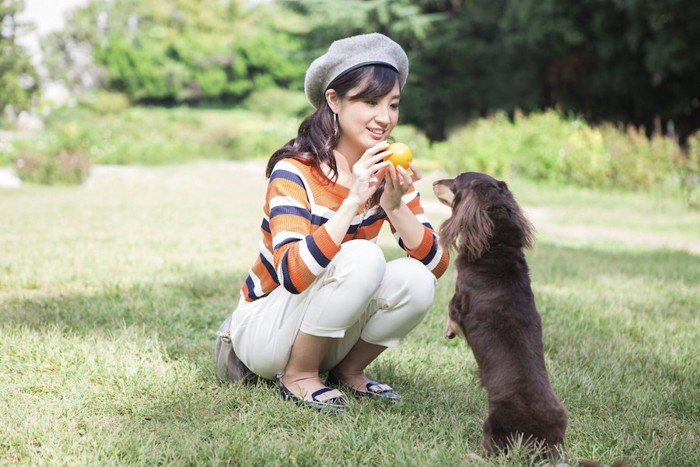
(368, 172)
(398, 181)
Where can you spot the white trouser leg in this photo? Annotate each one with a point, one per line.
(359, 295)
(399, 305)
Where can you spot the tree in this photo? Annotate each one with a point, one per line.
(632, 61)
(18, 78)
(174, 51)
(627, 61)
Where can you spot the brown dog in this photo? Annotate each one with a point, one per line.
(494, 309)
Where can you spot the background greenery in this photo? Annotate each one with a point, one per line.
(484, 78)
(114, 280)
(631, 62)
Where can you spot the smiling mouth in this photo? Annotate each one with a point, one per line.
(377, 131)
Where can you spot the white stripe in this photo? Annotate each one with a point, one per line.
(438, 255)
(280, 276)
(423, 219)
(267, 254)
(322, 211)
(408, 197)
(281, 201)
(309, 260)
(290, 167)
(285, 235)
(257, 287)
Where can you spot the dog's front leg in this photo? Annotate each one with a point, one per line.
(452, 330)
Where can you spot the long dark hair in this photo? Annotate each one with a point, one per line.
(316, 138)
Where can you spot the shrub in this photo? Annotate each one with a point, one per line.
(59, 159)
(687, 167)
(277, 102)
(482, 146)
(104, 102)
(549, 147)
(256, 139)
(638, 162)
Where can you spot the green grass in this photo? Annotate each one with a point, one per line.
(111, 293)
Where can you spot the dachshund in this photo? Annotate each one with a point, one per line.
(493, 308)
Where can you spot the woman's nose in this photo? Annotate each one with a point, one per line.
(383, 115)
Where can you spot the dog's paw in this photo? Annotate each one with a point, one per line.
(451, 329)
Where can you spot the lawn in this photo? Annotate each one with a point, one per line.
(111, 293)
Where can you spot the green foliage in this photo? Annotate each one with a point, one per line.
(191, 51)
(103, 133)
(18, 78)
(278, 102)
(549, 147)
(687, 165)
(58, 158)
(104, 102)
(472, 58)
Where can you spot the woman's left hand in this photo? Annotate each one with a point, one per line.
(397, 182)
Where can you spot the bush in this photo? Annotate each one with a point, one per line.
(549, 147)
(259, 139)
(60, 158)
(482, 146)
(104, 102)
(277, 102)
(687, 166)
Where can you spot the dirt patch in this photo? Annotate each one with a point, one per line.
(246, 181)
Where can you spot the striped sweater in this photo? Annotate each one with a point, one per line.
(295, 246)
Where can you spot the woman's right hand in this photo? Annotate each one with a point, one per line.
(368, 173)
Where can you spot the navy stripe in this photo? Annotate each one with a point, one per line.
(287, 175)
(427, 224)
(293, 210)
(318, 220)
(286, 279)
(353, 228)
(371, 220)
(285, 241)
(265, 226)
(251, 286)
(316, 252)
(431, 254)
(270, 269)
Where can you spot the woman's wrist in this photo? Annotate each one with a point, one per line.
(353, 202)
(391, 207)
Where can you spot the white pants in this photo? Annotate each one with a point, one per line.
(359, 295)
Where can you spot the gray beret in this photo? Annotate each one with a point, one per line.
(350, 53)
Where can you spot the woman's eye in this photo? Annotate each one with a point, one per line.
(395, 106)
(371, 102)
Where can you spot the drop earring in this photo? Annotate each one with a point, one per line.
(335, 124)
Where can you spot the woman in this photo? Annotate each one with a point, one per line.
(321, 297)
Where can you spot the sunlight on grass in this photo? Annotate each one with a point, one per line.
(110, 295)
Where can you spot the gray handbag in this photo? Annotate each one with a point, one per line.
(228, 366)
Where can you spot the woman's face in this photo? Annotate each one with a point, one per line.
(366, 121)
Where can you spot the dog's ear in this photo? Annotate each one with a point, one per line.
(443, 191)
(522, 224)
(469, 228)
(477, 226)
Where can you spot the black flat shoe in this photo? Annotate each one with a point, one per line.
(374, 389)
(324, 399)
